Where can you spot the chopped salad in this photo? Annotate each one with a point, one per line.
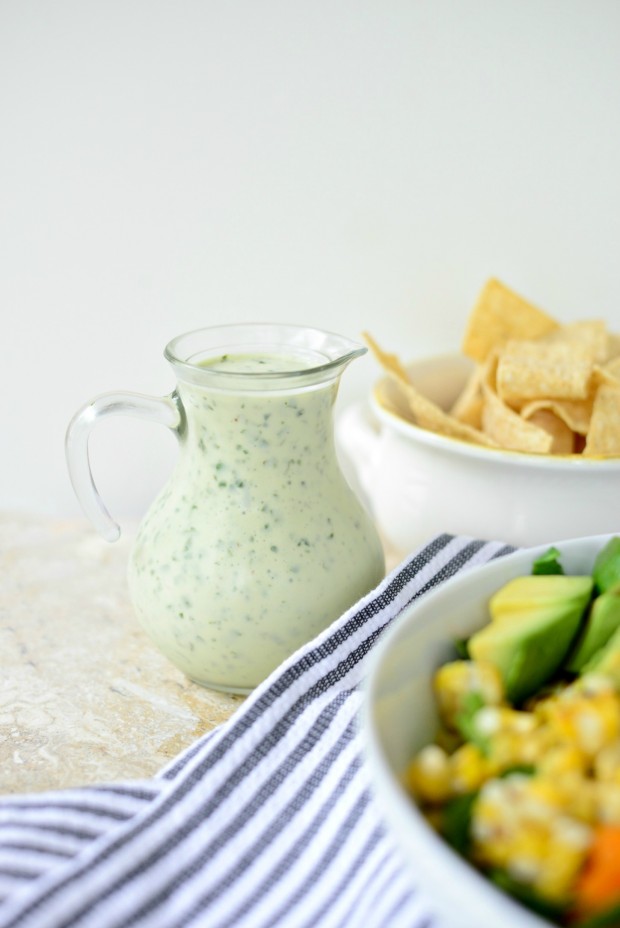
(523, 778)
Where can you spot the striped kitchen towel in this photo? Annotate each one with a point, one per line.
(267, 821)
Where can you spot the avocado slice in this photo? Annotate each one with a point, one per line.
(535, 621)
(524, 594)
(606, 661)
(606, 569)
(603, 620)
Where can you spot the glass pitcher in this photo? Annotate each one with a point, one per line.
(257, 542)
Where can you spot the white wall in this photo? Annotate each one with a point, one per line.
(169, 164)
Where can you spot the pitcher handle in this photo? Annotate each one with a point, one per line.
(165, 410)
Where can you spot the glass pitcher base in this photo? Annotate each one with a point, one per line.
(221, 688)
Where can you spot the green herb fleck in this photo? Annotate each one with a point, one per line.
(526, 770)
(548, 563)
(460, 645)
(465, 720)
(456, 822)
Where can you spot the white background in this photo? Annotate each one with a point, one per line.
(169, 164)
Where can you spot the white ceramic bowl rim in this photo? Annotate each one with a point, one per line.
(458, 446)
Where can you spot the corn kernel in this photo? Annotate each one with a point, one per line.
(428, 776)
(521, 824)
(468, 769)
(587, 720)
(562, 758)
(607, 763)
(607, 802)
(567, 849)
(458, 679)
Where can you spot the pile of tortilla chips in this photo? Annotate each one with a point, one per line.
(537, 386)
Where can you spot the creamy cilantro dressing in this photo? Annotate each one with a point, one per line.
(257, 543)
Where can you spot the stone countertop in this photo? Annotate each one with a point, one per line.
(85, 697)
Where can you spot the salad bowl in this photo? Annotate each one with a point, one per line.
(399, 718)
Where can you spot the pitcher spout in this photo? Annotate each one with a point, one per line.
(295, 356)
(341, 350)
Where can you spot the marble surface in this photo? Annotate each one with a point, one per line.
(84, 695)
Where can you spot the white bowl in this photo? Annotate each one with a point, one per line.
(399, 717)
(417, 483)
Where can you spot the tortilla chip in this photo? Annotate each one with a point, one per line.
(613, 346)
(610, 371)
(530, 370)
(575, 413)
(390, 362)
(430, 416)
(427, 414)
(508, 430)
(563, 438)
(604, 433)
(591, 338)
(499, 315)
(538, 387)
(469, 403)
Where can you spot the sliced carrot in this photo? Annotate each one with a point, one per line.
(598, 885)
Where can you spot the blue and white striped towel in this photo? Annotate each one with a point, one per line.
(267, 821)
